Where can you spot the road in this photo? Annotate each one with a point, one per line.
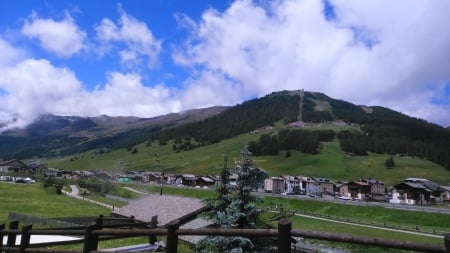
(362, 203)
(74, 194)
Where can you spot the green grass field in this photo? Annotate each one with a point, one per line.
(330, 163)
(33, 199)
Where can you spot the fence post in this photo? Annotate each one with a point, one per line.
(90, 240)
(25, 238)
(447, 242)
(2, 227)
(284, 236)
(154, 222)
(11, 242)
(172, 238)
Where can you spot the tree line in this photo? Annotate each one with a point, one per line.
(287, 139)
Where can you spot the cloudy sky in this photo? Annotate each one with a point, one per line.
(148, 58)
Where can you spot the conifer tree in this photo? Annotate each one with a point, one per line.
(236, 208)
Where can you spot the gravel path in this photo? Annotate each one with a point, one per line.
(166, 207)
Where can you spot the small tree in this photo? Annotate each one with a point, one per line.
(390, 163)
(235, 208)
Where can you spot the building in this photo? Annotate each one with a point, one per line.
(274, 185)
(326, 185)
(312, 187)
(341, 188)
(359, 190)
(377, 188)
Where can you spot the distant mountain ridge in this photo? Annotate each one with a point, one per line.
(64, 135)
(382, 130)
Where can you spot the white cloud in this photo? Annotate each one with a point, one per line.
(63, 37)
(31, 87)
(135, 40)
(125, 94)
(10, 55)
(373, 52)
(34, 87)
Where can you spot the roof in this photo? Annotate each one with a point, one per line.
(323, 180)
(445, 188)
(372, 181)
(416, 186)
(360, 183)
(207, 179)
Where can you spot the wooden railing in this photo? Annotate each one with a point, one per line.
(98, 231)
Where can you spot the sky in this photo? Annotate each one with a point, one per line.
(149, 58)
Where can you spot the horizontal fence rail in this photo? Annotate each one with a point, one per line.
(90, 236)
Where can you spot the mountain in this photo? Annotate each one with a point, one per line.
(51, 135)
(375, 129)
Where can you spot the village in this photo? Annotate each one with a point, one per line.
(411, 191)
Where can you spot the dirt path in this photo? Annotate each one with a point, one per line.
(74, 194)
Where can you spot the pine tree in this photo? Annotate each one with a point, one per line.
(236, 208)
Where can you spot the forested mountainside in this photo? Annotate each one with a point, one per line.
(376, 129)
(382, 130)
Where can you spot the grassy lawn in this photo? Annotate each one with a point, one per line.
(325, 226)
(366, 213)
(33, 199)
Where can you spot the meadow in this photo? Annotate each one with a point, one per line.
(34, 199)
(331, 163)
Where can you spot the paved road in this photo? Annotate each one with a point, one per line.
(362, 203)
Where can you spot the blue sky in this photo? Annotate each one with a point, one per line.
(148, 58)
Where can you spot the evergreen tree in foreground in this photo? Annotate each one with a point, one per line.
(235, 208)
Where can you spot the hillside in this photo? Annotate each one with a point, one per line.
(51, 135)
(282, 124)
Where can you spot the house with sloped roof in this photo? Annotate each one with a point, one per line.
(359, 190)
(412, 193)
(377, 188)
(341, 188)
(326, 185)
(432, 187)
(274, 185)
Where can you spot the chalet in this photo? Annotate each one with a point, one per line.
(411, 194)
(189, 179)
(205, 182)
(274, 185)
(377, 188)
(15, 166)
(312, 186)
(302, 183)
(341, 188)
(432, 187)
(326, 185)
(291, 184)
(359, 190)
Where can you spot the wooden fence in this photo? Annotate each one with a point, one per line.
(98, 231)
